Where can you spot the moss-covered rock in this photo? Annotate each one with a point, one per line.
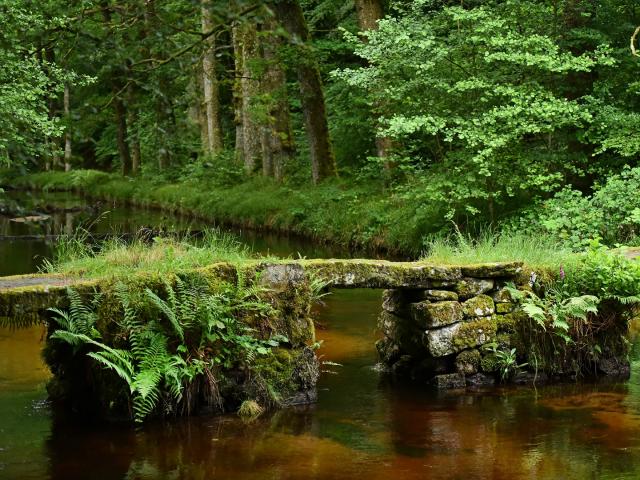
(439, 341)
(478, 306)
(502, 296)
(395, 301)
(439, 295)
(491, 270)
(468, 362)
(434, 315)
(503, 308)
(470, 287)
(360, 273)
(475, 333)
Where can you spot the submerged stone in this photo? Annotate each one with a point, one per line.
(480, 380)
(433, 315)
(478, 306)
(448, 381)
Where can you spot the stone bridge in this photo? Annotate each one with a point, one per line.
(436, 320)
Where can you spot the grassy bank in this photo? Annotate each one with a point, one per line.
(331, 212)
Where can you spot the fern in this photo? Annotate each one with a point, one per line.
(157, 364)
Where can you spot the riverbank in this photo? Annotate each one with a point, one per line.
(354, 217)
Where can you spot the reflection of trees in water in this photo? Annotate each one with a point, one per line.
(512, 434)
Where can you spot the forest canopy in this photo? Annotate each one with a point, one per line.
(510, 112)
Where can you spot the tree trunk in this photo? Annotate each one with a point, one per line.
(121, 125)
(210, 85)
(277, 139)
(132, 121)
(236, 41)
(251, 135)
(323, 164)
(67, 135)
(368, 13)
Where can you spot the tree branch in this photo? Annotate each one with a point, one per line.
(633, 42)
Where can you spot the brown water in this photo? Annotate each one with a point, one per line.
(361, 427)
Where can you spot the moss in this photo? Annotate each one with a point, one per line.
(433, 315)
(474, 333)
(283, 373)
(470, 287)
(468, 361)
(503, 308)
(509, 322)
(489, 363)
(478, 306)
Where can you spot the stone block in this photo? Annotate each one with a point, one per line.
(439, 341)
(493, 269)
(470, 287)
(439, 295)
(394, 300)
(478, 306)
(434, 315)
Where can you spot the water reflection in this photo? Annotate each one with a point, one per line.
(67, 212)
(362, 427)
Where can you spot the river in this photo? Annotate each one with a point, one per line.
(362, 426)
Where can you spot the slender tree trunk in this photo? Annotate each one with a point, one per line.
(323, 164)
(132, 124)
(236, 41)
(251, 134)
(67, 134)
(368, 13)
(163, 107)
(210, 85)
(121, 137)
(277, 139)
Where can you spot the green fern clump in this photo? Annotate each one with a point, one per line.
(165, 360)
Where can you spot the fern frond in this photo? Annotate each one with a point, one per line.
(118, 363)
(168, 311)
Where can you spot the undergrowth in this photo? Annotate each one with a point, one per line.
(173, 347)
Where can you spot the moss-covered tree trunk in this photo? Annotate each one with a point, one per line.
(277, 142)
(323, 164)
(247, 54)
(213, 144)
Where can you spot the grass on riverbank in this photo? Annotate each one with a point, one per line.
(117, 258)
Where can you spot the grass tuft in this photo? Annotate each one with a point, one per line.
(536, 252)
(117, 258)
